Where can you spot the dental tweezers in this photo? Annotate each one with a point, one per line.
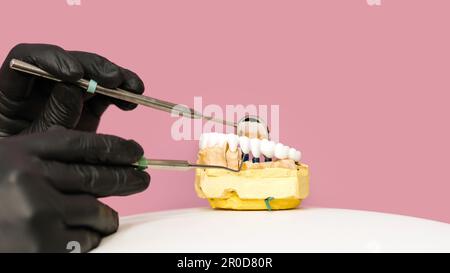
(121, 94)
(158, 104)
(181, 165)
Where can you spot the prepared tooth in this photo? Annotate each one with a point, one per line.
(233, 142)
(214, 155)
(233, 154)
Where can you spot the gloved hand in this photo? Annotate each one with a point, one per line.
(49, 183)
(31, 104)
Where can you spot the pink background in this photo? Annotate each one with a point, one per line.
(363, 91)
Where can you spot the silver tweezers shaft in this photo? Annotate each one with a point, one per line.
(123, 94)
(182, 165)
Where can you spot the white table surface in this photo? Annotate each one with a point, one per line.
(301, 230)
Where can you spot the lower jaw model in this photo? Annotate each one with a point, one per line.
(272, 179)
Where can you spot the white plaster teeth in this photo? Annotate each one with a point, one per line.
(244, 143)
(252, 129)
(267, 148)
(278, 150)
(286, 152)
(203, 141)
(295, 155)
(212, 139)
(233, 142)
(221, 139)
(291, 153)
(281, 151)
(255, 147)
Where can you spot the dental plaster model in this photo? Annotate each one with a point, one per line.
(274, 179)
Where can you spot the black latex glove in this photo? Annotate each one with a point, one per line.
(49, 183)
(31, 104)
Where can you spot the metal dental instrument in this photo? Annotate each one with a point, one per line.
(181, 165)
(122, 94)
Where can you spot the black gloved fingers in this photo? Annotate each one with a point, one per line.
(100, 69)
(63, 108)
(86, 211)
(110, 75)
(100, 181)
(10, 126)
(35, 216)
(131, 83)
(92, 111)
(53, 59)
(76, 240)
(59, 144)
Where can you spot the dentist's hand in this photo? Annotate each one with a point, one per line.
(49, 183)
(30, 104)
